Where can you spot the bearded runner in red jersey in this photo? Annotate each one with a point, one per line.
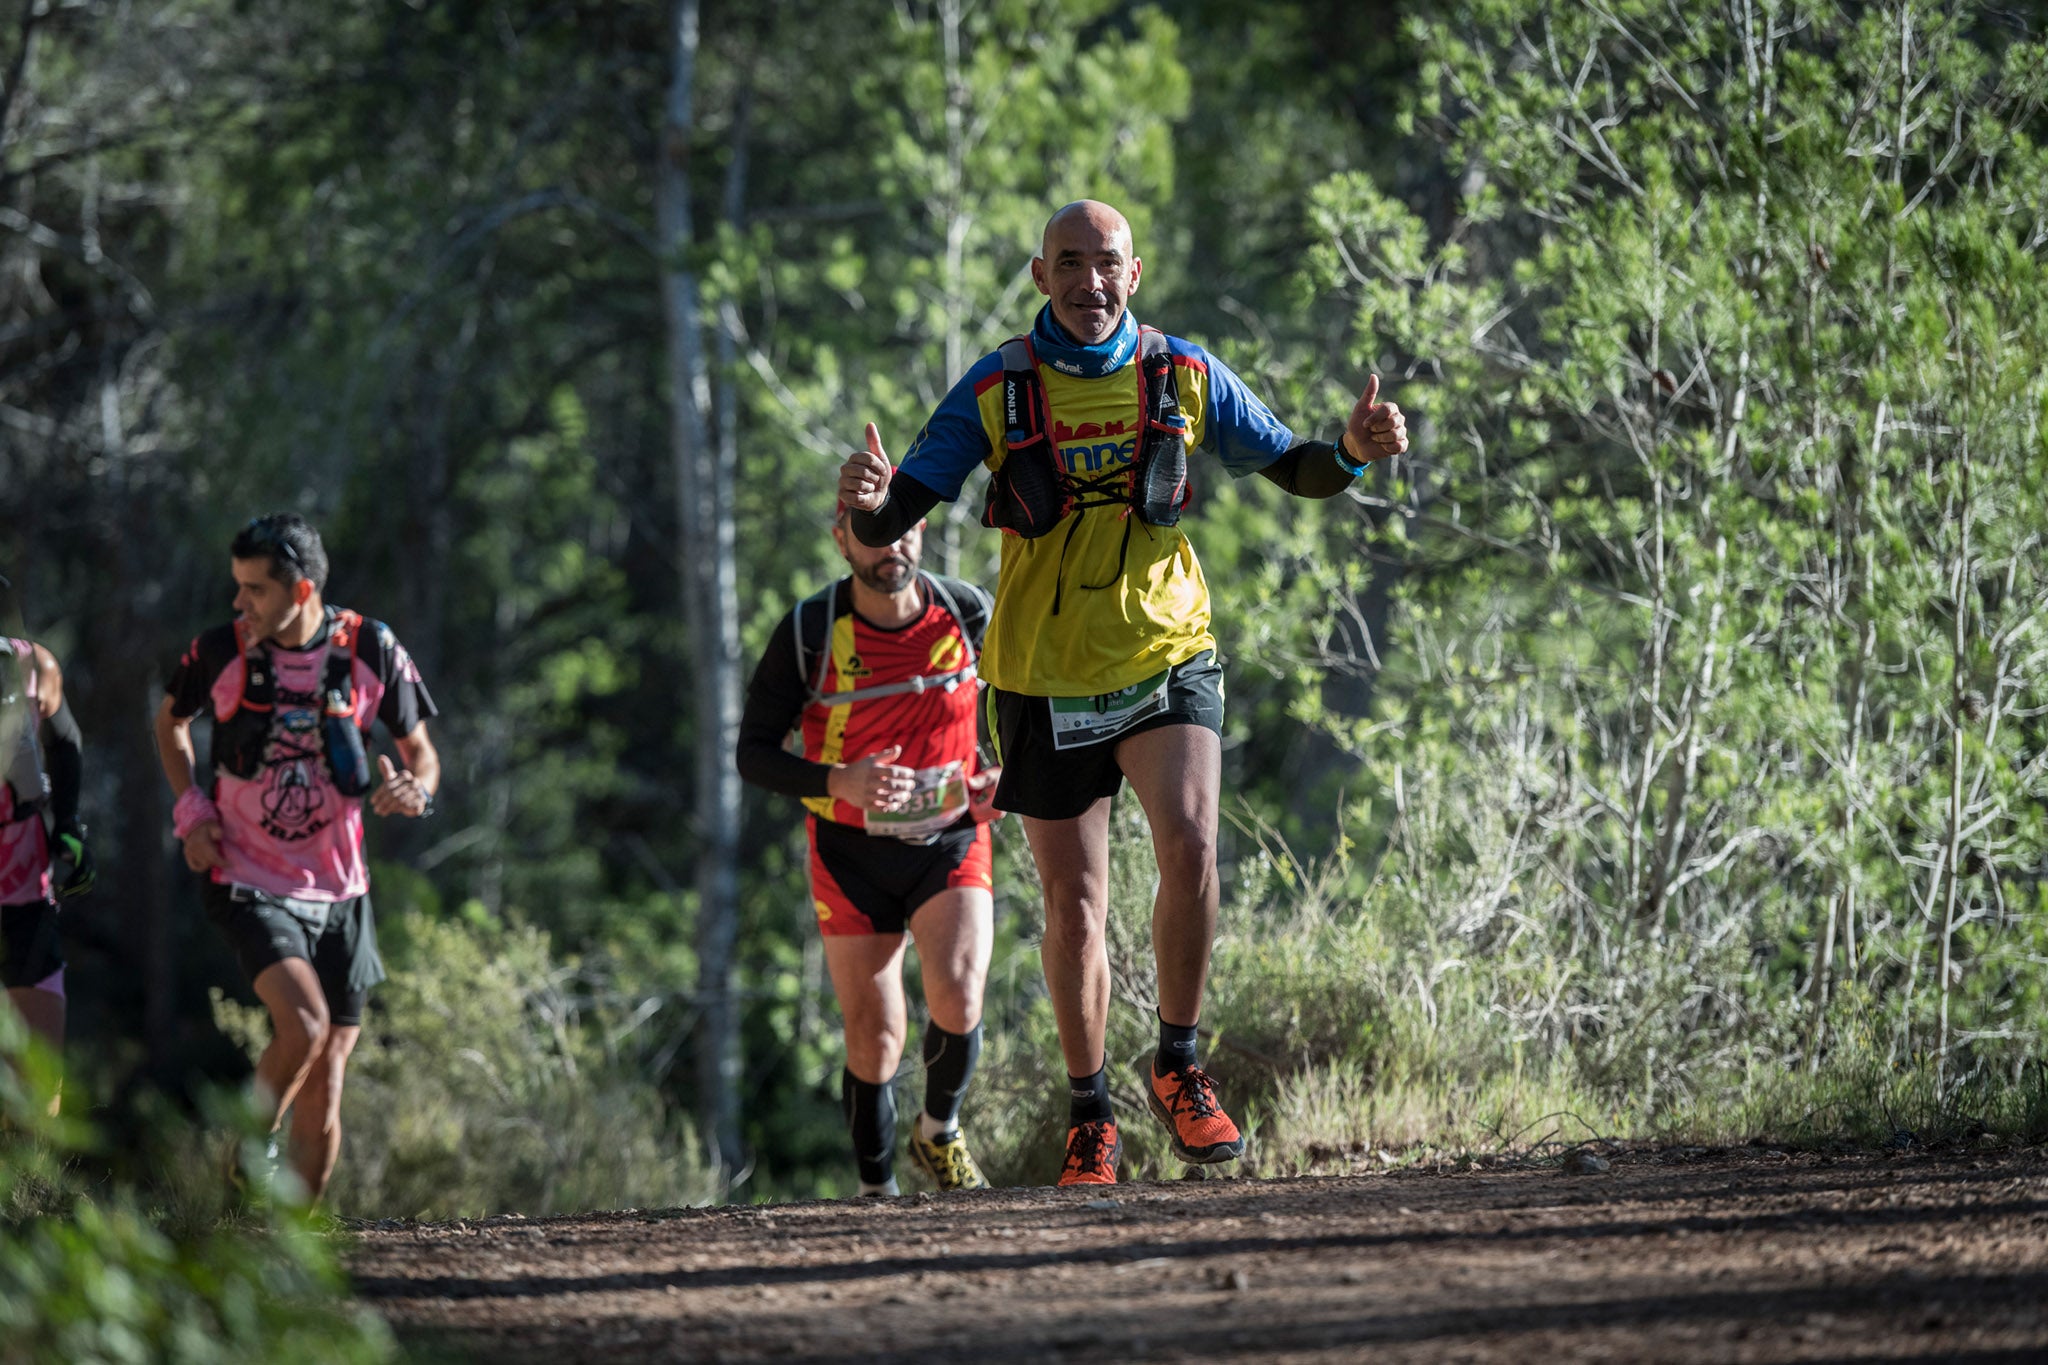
(864, 706)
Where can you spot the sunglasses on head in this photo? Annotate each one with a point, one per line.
(270, 538)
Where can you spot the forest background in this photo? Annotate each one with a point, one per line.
(1655, 750)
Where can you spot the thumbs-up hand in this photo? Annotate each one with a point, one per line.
(864, 478)
(399, 792)
(874, 782)
(1376, 430)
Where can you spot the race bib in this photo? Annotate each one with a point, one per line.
(938, 802)
(1078, 721)
(312, 914)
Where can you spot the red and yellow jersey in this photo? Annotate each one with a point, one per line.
(849, 688)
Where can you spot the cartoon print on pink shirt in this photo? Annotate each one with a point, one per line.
(285, 827)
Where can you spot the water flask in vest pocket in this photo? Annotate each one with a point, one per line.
(1026, 495)
(345, 752)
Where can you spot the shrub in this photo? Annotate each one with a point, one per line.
(90, 1274)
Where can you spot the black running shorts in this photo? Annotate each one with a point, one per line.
(264, 931)
(865, 883)
(1059, 753)
(29, 951)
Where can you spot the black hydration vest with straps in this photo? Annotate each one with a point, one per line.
(239, 741)
(825, 603)
(1030, 493)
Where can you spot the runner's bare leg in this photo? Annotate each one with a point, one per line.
(955, 933)
(867, 976)
(299, 1026)
(1073, 867)
(316, 1111)
(1177, 773)
(43, 1012)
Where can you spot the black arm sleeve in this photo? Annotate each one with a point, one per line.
(908, 501)
(775, 698)
(64, 757)
(1310, 470)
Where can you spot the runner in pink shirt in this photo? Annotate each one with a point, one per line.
(41, 767)
(293, 687)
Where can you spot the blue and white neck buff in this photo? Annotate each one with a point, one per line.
(1055, 346)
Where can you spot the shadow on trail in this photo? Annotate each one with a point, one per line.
(1210, 1334)
(1792, 1220)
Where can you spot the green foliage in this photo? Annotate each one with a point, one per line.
(91, 1274)
(1666, 717)
(1720, 589)
(494, 1077)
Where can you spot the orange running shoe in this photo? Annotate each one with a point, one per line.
(1093, 1149)
(1185, 1101)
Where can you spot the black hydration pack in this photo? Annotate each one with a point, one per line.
(240, 741)
(1030, 493)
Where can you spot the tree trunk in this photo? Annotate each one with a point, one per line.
(704, 517)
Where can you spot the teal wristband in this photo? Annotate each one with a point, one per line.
(1343, 458)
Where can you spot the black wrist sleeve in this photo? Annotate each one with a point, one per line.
(1313, 469)
(64, 757)
(908, 502)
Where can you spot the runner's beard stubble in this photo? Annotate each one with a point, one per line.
(891, 574)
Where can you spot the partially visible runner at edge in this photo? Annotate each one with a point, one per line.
(42, 766)
(864, 706)
(293, 687)
(1100, 662)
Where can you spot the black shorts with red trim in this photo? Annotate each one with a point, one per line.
(865, 883)
(1053, 770)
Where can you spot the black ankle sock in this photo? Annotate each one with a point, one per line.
(1088, 1098)
(871, 1120)
(1176, 1048)
(949, 1062)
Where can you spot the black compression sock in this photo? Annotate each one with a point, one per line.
(949, 1062)
(871, 1120)
(1088, 1098)
(1176, 1048)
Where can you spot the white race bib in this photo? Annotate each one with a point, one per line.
(937, 802)
(1077, 721)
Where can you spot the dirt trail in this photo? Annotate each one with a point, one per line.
(1672, 1256)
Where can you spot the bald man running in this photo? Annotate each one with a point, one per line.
(1099, 656)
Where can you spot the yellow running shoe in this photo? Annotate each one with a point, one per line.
(947, 1161)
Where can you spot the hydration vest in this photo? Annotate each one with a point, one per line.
(240, 740)
(27, 782)
(827, 599)
(1030, 493)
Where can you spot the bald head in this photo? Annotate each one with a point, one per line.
(1097, 217)
(1087, 268)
